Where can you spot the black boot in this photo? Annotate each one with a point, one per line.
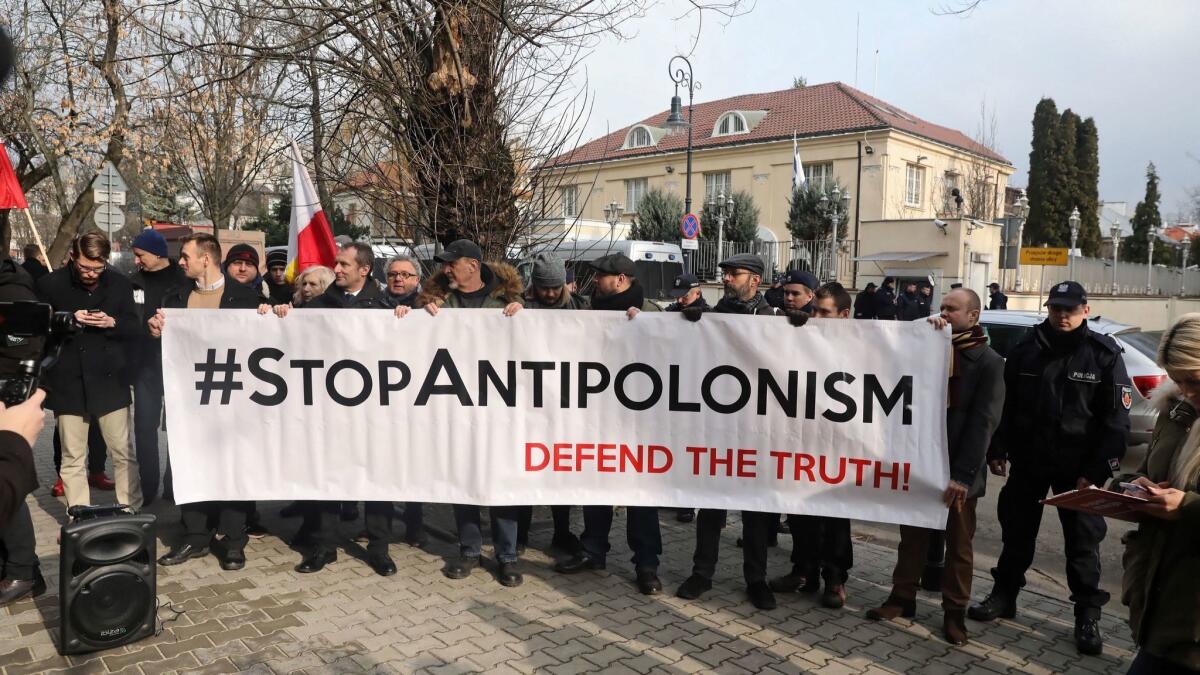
(998, 605)
(461, 567)
(181, 554)
(1088, 639)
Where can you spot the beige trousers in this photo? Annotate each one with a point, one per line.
(114, 427)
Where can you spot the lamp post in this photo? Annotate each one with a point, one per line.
(612, 216)
(1074, 222)
(1020, 211)
(1150, 236)
(721, 207)
(676, 123)
(1187, 245)
(835, 209)
(1115, 232)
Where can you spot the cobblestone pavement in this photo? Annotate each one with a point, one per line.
(269, 619)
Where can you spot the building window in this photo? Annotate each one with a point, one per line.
(819, 176)
(639, 137)
(914, 185)
(635, 189)
(717, 184)
(950, 184)
(570, 201)
(731, 123)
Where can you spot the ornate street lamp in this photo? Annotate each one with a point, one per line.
(612, 216)
(1151, 235)
(1020, 212)
(721, 208)
(1115, 232)
(676, 124)
(1187, 247)
(835, 209)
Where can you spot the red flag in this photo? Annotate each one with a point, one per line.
(11, 195)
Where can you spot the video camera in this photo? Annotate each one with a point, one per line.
(28, 319)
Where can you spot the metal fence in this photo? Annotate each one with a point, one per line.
(1096, 275)
(779, 256)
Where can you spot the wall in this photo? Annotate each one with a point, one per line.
(921, 235)
(1148, 313)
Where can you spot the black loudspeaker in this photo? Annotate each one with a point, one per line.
(107, 590)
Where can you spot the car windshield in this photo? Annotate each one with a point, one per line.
(1145, 341)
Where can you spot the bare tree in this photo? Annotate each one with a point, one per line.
(975, 178)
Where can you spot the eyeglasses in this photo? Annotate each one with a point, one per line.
(85, 269)
(400, 275)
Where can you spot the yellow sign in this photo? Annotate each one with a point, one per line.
(1054, 257)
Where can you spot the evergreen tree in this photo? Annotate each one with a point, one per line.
(805, 220)
(1146, 218)
(1040, 189)
(1087, 176)
(1064, 180)
(657, 218)
(340, 224)
(274, 225)
(741, 225)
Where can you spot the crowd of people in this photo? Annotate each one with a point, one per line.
(1052, 417)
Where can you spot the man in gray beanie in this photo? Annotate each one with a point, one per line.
(547, 288)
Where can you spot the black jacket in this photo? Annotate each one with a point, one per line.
(774, 297)
(700, 304)
(1066, 408)
(908, 307)
(998, 301)
(885, 303)
(233, 296)
(370, 297)
(90, 377)
(16, 286)
(394, 301)
(149, 289)
(756, 305)
(975, 415)
(278, 294)
(35, 268)
(17, 475)
(574, 301)
(864, 305)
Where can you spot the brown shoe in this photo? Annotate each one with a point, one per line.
(892, 609)
(954, 626)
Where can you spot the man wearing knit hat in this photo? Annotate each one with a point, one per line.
(548, 286)
(279, 290)
(241, 263)
(156, 274)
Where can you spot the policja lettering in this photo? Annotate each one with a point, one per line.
(837, 396)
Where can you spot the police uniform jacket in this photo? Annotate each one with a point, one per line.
(1066, 410)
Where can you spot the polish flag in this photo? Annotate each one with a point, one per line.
(11, 196)
(310, 240)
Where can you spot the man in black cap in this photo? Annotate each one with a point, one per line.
(864, 303)
(741, 276)
(466, 281)
(616, 289)
(885, 300)
(279, 290)
(996, 299)
(1064, 427)
(686, 291)
(799, 287)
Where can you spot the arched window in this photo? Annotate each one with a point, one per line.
(731, 123)
(639, 137)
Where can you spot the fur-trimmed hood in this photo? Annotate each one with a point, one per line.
(506, 282)
(1165, 396)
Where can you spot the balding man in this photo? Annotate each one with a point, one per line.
(976, 401)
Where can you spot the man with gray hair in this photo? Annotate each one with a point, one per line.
(403, 282)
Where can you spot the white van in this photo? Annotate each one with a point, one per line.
(656, 263)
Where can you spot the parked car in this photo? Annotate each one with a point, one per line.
(1006, 327)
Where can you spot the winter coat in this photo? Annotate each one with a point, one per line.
(35, 268)
(998, 301)
(17, 286)
(634, 296)
(908, 307)
(1160, 584)
(502, 285)
(700, 304)
(370, 297)
(885, 303)
(971, 423)
(90, 377)
(233, 296)
(574, 301)
(864, 305)
(149, 289)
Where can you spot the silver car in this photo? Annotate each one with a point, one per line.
(1005, 328)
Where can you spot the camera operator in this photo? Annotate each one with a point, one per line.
(89, 383)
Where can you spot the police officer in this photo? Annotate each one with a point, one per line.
(741, 276)
(687, 293)
(1064, 427)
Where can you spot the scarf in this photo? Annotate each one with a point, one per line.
(1185, 466)
(728, 305)
(960, 342)
(630, 297)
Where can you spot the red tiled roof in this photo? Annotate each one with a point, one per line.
(816, 110)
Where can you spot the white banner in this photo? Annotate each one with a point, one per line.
(837, 418)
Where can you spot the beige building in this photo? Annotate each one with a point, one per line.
(900, 171)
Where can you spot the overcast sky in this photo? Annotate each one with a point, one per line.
(1133, 66)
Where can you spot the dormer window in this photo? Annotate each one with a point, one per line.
(642, 136)
(731, 123)
(738, 122)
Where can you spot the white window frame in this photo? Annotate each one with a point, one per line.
(819, 175)
(632, 138)
(635, 189)
(717, 182)
(950, 180)
(733, 119)
(910, 190)
(569, 196)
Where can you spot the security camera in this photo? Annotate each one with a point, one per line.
(868, 149)
(941, 225)
(670, 169)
